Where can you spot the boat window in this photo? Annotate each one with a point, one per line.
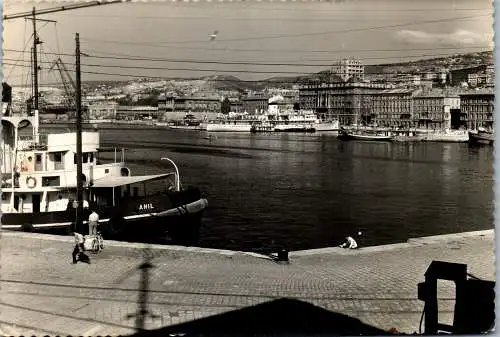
(85, 158)
(91, 157)
(51, 181)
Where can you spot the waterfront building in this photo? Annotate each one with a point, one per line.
(255, 104)
(390, 108)
(279, 104)
(103, 110)
(236, 105)
(136, 112)
(437, 109)
(346, 102)
(477, 108)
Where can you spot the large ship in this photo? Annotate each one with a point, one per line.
(39, 183)
(42, 191)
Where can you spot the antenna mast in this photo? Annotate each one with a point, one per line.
(35, 63)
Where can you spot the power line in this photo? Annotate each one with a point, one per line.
(249, 63)
(227, 63)
(269, 80)
(286, 51)
(306, 51)
(279, 36)
(223, 18)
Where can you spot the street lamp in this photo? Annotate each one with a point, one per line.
(177, 178)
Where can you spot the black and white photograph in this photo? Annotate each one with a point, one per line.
(247, 168)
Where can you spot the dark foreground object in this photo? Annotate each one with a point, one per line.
(281, 317)
(474, 300)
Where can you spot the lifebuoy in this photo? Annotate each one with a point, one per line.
(31, 182)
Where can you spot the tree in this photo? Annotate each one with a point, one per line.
(225, 106)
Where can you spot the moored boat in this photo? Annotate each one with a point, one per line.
(364, 135)
(481, 137)
(39, 186)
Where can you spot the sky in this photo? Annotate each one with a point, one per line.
(264, 38)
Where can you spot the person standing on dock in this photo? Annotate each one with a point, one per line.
(93, 222)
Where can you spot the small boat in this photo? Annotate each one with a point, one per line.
(364, 135)
(481, 136)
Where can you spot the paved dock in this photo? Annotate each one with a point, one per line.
(43, 293)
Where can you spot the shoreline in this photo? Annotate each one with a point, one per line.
(411, 242)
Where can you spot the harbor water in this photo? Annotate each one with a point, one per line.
(305, 191)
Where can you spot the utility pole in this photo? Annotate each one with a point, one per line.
(35, 63)
(79, 182)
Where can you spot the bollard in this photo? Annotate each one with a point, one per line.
(283, 256)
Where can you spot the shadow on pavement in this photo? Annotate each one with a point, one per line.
(278, 317)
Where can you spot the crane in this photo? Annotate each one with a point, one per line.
(67, 82)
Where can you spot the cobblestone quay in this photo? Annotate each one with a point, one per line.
(43, 293)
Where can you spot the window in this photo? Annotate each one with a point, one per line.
(50, 181)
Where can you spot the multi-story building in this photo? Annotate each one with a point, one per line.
(390, 108)
(349, 68)
(103, 110)
(279, 104)
(485, 78)
(345, 101)
(255, 104)
(135, 112)
(236, 105)
(437, 109)
(173, 108)
(477, 108)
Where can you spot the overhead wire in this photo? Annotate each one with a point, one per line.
(168, 60)
(279, 36)
(292, 80)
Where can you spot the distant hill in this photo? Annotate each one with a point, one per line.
(232, 83)
(452, 62)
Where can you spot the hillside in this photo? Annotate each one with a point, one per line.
(452, 62)
(217, 83)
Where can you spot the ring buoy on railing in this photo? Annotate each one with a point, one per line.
(31, 182)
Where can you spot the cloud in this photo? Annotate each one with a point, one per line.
(457, 38)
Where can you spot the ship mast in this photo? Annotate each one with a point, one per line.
(35, 63)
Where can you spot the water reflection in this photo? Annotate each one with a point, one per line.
(308, 191)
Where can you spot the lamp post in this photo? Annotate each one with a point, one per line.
(177, 178)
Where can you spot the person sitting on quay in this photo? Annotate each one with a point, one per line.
(350, 243)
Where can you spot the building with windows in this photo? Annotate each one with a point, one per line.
(255, 104)
(349, 102)
(437, 109)
(477, 108)
(391, 108)
(136, 112)
(103, 110)
(349, 68)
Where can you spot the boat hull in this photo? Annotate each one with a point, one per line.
(372, 138)
(177, 213)
(228, 128)
(481, 138)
